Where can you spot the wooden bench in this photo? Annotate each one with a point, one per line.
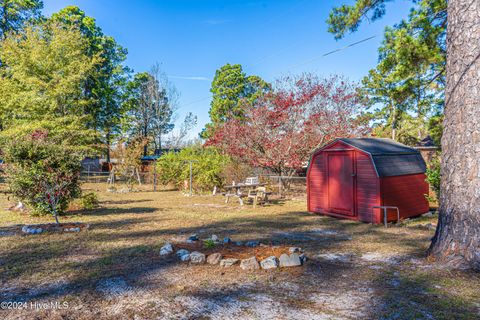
(258, 196)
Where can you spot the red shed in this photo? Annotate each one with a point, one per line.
(347, 178)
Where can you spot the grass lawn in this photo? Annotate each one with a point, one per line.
(114, 270)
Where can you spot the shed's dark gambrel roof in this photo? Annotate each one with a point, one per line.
(390, 158)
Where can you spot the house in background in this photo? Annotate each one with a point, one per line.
(427, 148)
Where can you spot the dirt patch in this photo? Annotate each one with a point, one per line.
(234, 251)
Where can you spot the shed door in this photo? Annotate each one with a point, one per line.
(340, 183)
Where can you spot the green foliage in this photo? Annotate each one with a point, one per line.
(90, 201)
(209, 244)
(14, 13)
(105, 86)
(47, 67)
(347, 18)
(409, 130)
(229, 87)
(42, 173)
(410, 75)
(433, 175)
(207, 171)
(68, 132)
(435, 128)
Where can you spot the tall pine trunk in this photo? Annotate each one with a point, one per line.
(457, 239)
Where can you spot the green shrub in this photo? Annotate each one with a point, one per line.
(90, 201)
(42, 173)
(207, 170)
(209, 243)
(433, 175)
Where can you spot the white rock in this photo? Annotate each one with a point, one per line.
(166, 249)
(214, 237)
(197, 257)
(19, 207)
(214, 258)
(228, 262)
(292, 260)
(249, 264)
(269, 263)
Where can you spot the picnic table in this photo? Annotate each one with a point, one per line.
(235, 190)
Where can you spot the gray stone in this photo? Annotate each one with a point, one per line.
(185, 257)
(294, 250)
(252, 244)
(249, 264)
(197, 257)
(166, 249)
(214, 258)
(214, 238)
(182, 252)
(227, 240)
(228, 262)
(303, 258)
(193, 237)
(292, 260)
(269, 263)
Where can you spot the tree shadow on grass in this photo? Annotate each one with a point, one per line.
(136, 262)
(115, 211)
(405, 294)
(130, 201)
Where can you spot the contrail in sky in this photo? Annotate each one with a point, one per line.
(190, 78)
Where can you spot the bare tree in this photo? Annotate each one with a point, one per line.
(152, 102)
(164, 98)
(178, 138)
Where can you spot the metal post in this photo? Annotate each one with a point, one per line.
(385, 208)
(385, 216)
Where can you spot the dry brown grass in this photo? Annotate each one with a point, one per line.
(386, 277)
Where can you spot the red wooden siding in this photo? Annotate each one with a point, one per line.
(317, 184)
(368, 188)
(405, 192)
(330, 186)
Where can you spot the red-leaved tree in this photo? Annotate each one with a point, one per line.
(281, 129)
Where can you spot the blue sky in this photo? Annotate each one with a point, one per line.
(269, 38)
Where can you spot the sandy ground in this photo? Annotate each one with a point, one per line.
(114, 270)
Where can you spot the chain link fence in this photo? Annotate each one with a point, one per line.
(146, 181)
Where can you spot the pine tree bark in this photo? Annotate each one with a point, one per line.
(457, 238)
